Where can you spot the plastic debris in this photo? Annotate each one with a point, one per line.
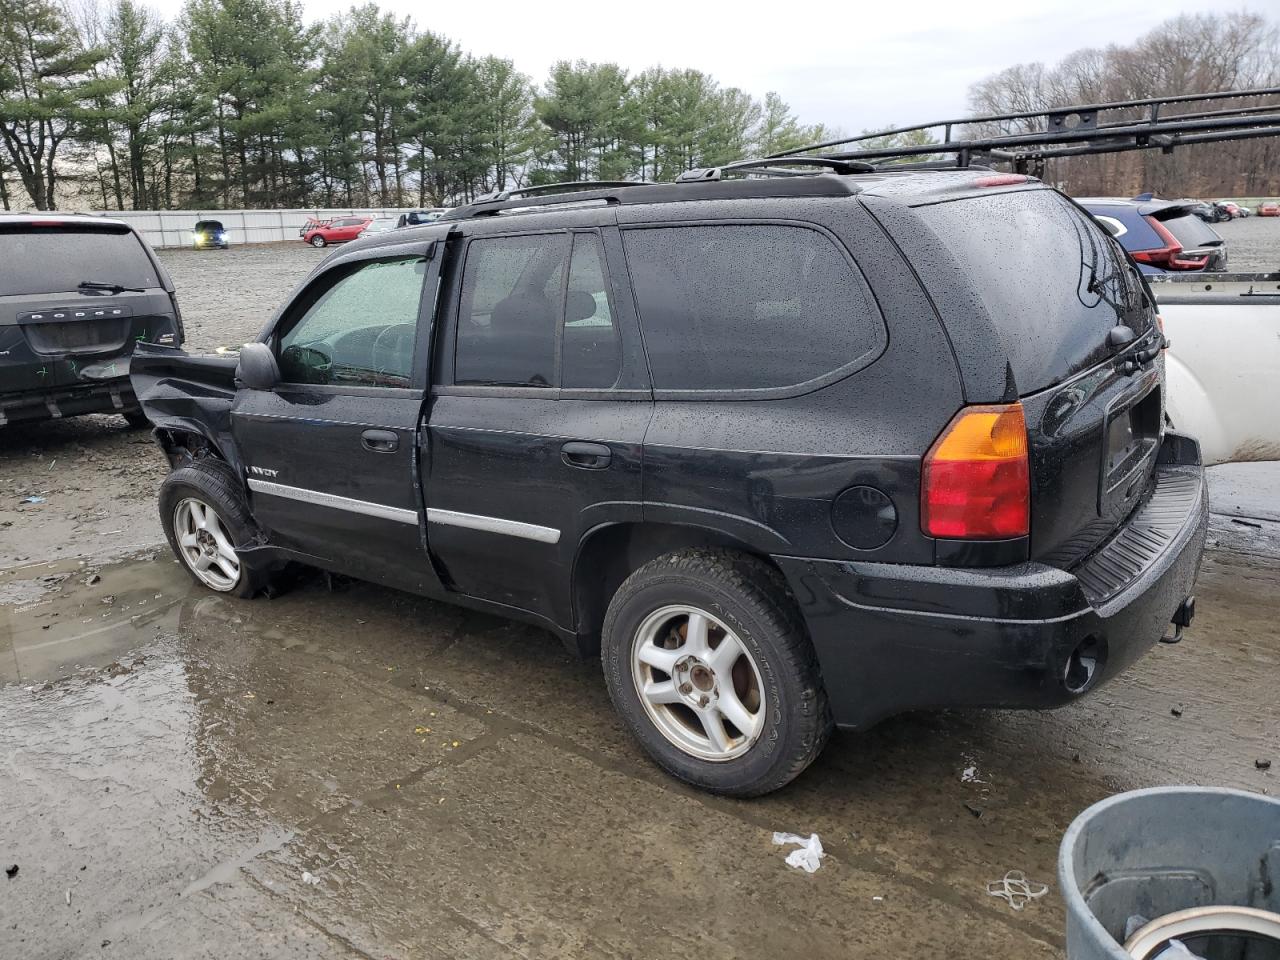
(311, 878)
(1176, 711)
(807, 856)
(1016, 889)
(1262, 764)
(11, 872)
(33, 499)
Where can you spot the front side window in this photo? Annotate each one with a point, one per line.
(747, 306)
(361, 330)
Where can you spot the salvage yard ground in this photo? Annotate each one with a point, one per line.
(361, 773)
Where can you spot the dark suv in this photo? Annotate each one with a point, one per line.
(76, 294)
(1162, 236)
(788, 453)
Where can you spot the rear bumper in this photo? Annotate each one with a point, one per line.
(892, 638)
(105, 396)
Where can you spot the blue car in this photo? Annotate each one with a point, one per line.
(1163, 236)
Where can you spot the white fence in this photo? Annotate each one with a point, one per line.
(172, 228)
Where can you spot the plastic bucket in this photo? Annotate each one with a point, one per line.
(1155, 852)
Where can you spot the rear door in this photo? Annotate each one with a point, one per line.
(330, 452)
(1054, 286)
(55, 333)
(536, 427)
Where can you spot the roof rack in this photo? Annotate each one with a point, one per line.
(1074, 131)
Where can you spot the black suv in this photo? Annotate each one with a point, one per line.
(76, 294)
(788, 453)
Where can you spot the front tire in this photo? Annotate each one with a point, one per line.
(710, 667)
(207, 524)
(318, 241)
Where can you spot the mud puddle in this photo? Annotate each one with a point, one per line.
(57, 618)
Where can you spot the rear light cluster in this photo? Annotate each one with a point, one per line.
(1168, 257)
(976, 482)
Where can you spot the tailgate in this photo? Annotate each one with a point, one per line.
(56, 334)
(1070, 323)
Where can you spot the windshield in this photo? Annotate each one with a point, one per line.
(56, 259)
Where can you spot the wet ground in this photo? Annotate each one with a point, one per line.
(360, 773)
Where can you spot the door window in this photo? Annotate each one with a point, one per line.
(747, 306)
(361, 330)
(512, 301)
(591, 357)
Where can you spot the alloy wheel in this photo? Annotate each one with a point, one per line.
(698, 683)
(204, 545)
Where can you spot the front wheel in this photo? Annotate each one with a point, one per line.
(318, 241)
(709, 665)
(207, 525)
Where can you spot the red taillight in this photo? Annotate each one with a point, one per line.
(1170, 255)
(976, 482)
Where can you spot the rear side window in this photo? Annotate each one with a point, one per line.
(747, 306)
(1051, 278)
(57, 260)
(512, 301)
(517, 301)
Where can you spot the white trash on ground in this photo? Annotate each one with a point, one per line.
(807, 856)
(1016, 889)
(311, 878)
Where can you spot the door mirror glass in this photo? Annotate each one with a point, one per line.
(257, 369)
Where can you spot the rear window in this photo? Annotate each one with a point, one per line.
(748, 306)
(1051, 278)
(1190, 231)
(57, 260)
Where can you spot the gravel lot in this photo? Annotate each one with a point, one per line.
(366, 774)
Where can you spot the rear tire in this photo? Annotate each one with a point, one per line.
(743, 722)
(207, 524)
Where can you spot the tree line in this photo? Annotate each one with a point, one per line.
(1189, 54)
(242, 103)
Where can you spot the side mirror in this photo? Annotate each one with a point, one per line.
(257, 369)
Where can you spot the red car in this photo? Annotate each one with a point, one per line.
(1269, 210)
(335, 231)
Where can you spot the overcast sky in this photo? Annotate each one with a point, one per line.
(865, 66)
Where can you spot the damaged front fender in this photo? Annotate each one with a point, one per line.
(188, 397)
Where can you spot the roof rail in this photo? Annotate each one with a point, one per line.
(770, 166)
(565, 186)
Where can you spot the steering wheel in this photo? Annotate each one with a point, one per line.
(392, 349)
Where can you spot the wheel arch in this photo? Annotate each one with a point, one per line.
(608, 553)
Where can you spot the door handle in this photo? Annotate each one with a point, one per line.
(380, 441)
(586, 456)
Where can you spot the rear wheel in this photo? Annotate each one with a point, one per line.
(318, 241)
(709, 665)
(207, 525)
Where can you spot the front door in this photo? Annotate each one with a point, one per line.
(330, 452)
(537, 425)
